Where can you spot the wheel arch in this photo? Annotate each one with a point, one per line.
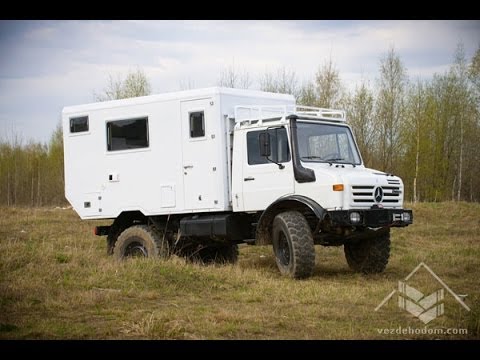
(312, 211)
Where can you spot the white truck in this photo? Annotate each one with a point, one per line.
(198, 172)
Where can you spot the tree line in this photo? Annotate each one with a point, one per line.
(31, 173)
(425, 131)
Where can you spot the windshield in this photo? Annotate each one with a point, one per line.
(326, 143)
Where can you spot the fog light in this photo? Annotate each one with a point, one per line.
(355, 217)
(406, 216)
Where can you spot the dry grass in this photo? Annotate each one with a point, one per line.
(56, 282)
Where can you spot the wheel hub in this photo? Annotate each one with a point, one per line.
(136, 249)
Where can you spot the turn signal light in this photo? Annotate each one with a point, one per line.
(338, 187)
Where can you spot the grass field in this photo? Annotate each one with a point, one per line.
(56, 282)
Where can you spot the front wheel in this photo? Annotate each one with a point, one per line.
(369, 256)
(293, 245)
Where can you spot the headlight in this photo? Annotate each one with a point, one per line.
(355, 217)
(406, 216)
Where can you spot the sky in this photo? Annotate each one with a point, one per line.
(46, 65)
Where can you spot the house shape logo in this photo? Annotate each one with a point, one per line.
(424, 307)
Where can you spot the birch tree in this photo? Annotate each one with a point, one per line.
(390, 108)
(329, 86)
(282, 81)
(360, 112)
(234, 78)
(134, 84)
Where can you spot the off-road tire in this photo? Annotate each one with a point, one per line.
(293, 245)
(118, 226)
(112, 237)
(140, 240)
(369, 256)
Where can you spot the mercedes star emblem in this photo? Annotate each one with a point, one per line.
(378, 194)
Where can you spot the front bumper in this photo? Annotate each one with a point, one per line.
(373, 218)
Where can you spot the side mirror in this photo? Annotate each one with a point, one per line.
(264, 142)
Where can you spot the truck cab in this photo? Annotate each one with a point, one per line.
(305, 162)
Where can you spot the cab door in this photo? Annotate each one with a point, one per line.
(264, 181)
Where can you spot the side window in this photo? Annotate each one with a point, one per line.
(197, 124)
(127, 134)
(79, 124)
(278, 146)
(253, 148)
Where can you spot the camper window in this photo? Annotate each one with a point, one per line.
(197, 124)
(127, 134)
(79, 124)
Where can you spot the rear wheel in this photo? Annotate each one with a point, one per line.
(369, 256)
(293, 245)
(140, 241)
(112, 237)
(121, 223)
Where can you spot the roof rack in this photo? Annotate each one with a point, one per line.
(258, 113)
(322, 113)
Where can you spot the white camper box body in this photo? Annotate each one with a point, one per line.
(176, 173)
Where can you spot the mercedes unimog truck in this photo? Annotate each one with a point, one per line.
(199, 172)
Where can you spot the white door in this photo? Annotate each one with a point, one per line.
(199, 155)
(263, 181)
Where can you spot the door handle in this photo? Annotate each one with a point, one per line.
(188, 166)
(249, 178)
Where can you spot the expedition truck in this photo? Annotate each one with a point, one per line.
(198, 172)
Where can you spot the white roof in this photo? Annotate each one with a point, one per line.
(186, 94)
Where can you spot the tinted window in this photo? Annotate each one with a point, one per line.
(127, 134)
(278, 146)
(197, 124)
(79, 124)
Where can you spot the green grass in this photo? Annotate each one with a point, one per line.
(56, 282)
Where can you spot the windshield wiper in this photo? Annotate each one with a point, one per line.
(311, 157)
(334, 159)
(330, 161)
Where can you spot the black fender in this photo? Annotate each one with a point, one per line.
(285, 203)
